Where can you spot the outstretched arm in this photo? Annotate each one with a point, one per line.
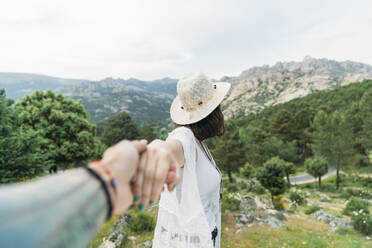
(66, 210)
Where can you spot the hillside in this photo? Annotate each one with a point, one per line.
(260, 87)
(18, 85)
(146, 102)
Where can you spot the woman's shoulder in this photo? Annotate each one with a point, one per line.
(181, 130)
(183, 134)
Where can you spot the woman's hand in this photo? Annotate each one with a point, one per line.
(157, 167)
(122, 160)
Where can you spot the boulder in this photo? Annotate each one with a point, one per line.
(123, 221)
(247, 203)
(244, 218)
(333, 221)
(147, 244)
(114, 240)
(326, 198)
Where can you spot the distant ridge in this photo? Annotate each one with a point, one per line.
(149, 101)
(259, 87)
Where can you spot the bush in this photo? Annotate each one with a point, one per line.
(142, 222)
(312, 209)
(258, 189)
(298, 196)
(278, 202)
(362, 222)
(230, 187)
(366, 194)
(231, 201)
(247, 170)
(355, 205)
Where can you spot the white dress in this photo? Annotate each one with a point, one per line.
(187, 215)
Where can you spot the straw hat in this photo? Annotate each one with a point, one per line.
(197, 98)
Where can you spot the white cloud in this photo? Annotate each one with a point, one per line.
(152, 39)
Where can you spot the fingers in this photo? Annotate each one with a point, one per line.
(137, 188)
(149, 174)
(140, 145)
(160, 176)
(172, 177)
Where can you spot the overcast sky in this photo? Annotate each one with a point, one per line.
(151, 39)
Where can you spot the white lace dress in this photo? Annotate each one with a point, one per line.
(182, 221)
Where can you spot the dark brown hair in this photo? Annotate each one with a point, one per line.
(211, 126)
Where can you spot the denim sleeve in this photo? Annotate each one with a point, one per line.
(63, 210)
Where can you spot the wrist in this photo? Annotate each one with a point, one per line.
(106, 179)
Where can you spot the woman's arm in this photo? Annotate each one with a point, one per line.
(66, 210)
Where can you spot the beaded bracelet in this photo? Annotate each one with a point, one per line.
(113, 182)
(105, 189)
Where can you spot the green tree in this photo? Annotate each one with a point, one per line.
(366, 113)
(147, 133)
(274, 147)
(289, 169)
(119, 127)
(247, 171)
(271, 176)
(19, 151)
(317, 167)
(253, 138)
(281, 125)
(332, 139)
(370, 156)
(228, 151)
(68, 138)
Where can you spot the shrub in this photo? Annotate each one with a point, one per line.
(258, 189)
(142, 222)
(298, 196)
(312, 209)
(231, 201)
(366, 194)
(230, 187)
(278, 202)
(362, 222)
(355, 205)
(247, 170)
(271, 176)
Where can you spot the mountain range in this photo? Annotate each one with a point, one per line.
(149, 101)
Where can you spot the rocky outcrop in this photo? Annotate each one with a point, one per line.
(259, 210)
(261, 87)
(333, 221)
(117, 237)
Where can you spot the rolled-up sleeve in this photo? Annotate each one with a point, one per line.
(63, 210)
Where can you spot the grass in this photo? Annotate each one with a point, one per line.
(107, 228)
(298, 232)
(103, 232)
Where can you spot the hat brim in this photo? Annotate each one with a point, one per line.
(182, 117)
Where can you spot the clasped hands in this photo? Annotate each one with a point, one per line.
(141, 170)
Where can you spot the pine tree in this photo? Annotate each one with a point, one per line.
(332, 139)
(366, 113)
(228, 151)
(317, 167)
(271, 176)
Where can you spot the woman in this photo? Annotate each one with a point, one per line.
(190, 215)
